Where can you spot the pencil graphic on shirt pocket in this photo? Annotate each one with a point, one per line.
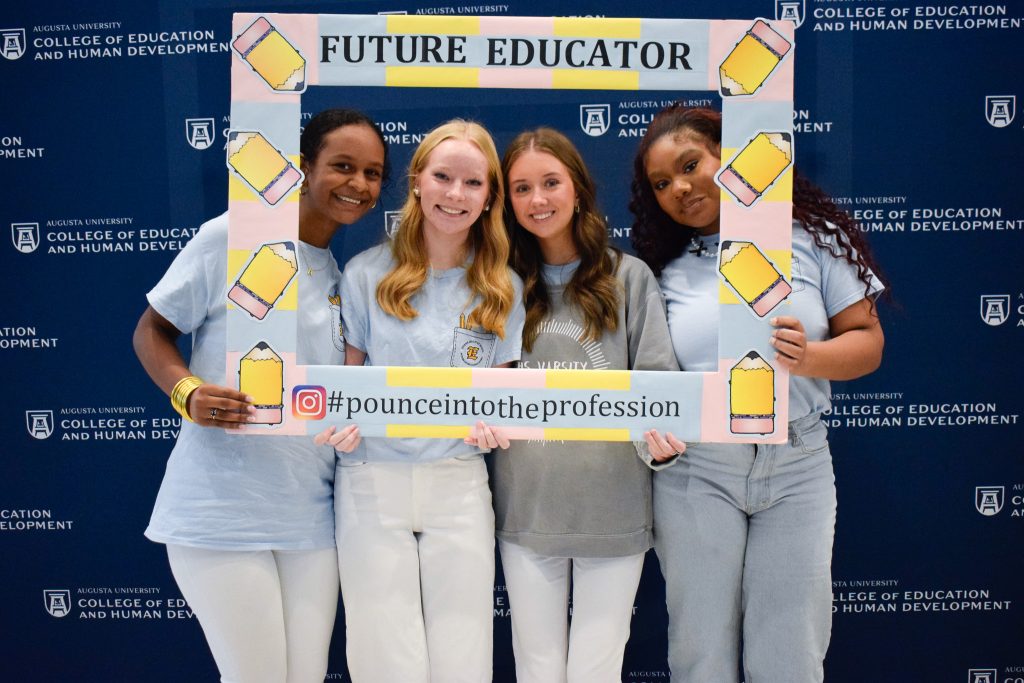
(758, 165)
(752, 396)
(261, 166)
(753, 60)
(261, 375)
(752, 276)
(270, 55)
(262, 282)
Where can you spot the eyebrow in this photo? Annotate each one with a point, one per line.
(556, 174)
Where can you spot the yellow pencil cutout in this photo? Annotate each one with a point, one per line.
(265, 278)
(752, 276)
(260, 165)
(261, 375)
(757, 166)
(753, 60)
(752, 396)
(271, 56)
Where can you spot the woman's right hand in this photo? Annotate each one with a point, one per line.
(663, 448)
(344, 441)
(211, 405)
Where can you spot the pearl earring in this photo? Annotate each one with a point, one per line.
(416, 191)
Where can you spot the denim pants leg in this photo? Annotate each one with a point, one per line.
(744, 537)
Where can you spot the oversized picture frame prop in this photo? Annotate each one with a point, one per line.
(749, 64)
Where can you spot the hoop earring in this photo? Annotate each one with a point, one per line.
(577, 208)
(374, 205)
(304, 188)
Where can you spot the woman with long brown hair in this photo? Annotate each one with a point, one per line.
(576, 512)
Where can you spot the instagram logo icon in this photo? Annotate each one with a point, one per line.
(309, 402)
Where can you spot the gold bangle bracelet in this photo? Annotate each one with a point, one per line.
(181, 392)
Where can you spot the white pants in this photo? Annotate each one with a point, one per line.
(267, 615)
(590, 649)
(416, 558)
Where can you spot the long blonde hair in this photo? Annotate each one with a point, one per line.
(593, 287)
(488, 274)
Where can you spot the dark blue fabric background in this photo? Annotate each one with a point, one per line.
(891, 119)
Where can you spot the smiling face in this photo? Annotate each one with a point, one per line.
(453, 188)
(543, 197)
(343, 181)
(681, 169)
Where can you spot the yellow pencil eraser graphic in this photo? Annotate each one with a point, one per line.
(261, 165)
(752, 276)
(752, 396)
(757, 166)
(271, 56)
(264, 279)
(261, 375)
(753, 60)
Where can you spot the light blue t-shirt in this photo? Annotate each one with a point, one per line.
(437, 337)
(241, 492)
(823, 285)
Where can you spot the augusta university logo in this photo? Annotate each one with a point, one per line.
(12, 43)
(791, 10)
(988, 500)
(391, 221)
(594, 118)
(199, 132)
(25, 237)
(57, 602)
(981, 676)
(995, 308)
(39, 423)
(1000, 110)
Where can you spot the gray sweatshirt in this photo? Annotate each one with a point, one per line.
(585, 498)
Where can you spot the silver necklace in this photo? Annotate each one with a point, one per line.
(701, 250)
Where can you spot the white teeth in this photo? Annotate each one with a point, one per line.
(542, 216)
(350, 200)
(451, 212)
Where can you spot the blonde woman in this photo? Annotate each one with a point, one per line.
(415, 527)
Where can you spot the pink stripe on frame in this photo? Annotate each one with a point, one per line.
(252, 223)
(516, 78)
(505, 378)
(522, 26)
(523, 433)
(768, 223)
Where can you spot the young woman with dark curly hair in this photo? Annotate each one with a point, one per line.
(744, 532)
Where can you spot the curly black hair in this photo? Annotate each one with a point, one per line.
(314, 132)
(658, 239)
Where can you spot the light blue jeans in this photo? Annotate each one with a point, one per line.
(744, 537)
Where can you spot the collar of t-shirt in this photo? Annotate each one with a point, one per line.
(560, 274)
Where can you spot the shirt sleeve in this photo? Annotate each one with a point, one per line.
(187, 291)
(650, 345)
(355, 303)
(510, 347)
(840, 286)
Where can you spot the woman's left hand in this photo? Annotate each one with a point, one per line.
(790, 342)
(344, 441)
(482, 436)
